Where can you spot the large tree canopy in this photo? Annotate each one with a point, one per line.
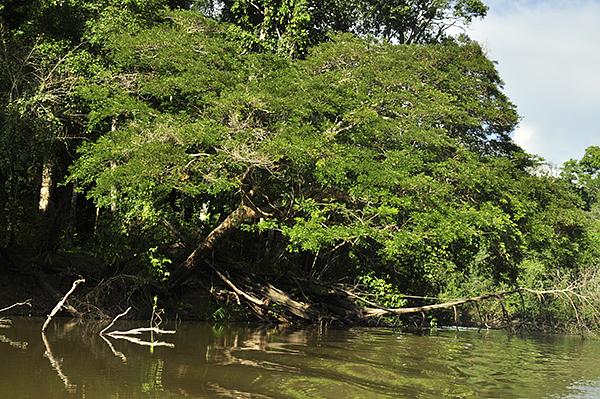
(391, 155)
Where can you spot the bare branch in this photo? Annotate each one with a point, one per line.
(60, 304)
(25, 303)
(114, 320)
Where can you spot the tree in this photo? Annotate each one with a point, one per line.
(46, 46)
(362, 148)
(293, 26)
(585, 174)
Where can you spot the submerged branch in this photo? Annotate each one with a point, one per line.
(127, 336)
(138, 331)
(141, 342)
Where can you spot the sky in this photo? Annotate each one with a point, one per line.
(548, 54)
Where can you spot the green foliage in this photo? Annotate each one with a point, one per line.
(402, 152)
(584, 174)
(293, 26)
(382, 292)
(159, 264)
(387, 164)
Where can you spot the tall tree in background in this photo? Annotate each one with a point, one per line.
(585, 175)
(45, 47)
(293, 26)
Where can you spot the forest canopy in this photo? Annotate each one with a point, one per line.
(352, 142)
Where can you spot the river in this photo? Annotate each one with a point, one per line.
(206, 361)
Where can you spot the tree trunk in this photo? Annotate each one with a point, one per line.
(241, 215)
(113, 165)
(46, 188)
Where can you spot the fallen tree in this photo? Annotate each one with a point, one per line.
(323, 303)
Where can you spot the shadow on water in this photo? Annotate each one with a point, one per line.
(204, 361)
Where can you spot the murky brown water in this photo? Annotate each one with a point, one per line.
(244, 362)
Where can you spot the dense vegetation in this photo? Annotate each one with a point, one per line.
(305, 144)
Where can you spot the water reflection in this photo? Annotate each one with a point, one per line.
(73, 361)
(56, 365)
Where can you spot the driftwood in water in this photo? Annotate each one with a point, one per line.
(129, 335)
(60, 304)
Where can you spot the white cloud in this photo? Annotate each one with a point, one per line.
(525, 136)
(548, 54)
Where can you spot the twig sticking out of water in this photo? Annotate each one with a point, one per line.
(112, 323)
(60, 304)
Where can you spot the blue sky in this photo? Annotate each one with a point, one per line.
(548, 54)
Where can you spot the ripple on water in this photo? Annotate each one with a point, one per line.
(244, 362)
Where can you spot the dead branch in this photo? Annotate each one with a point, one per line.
(270, 294)
(378, 311)
(126, 335)
(299, 309)
(114, 320)
(60, 304)
(25, 303)
(43, 283)
(381, 311)
(250, 298)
